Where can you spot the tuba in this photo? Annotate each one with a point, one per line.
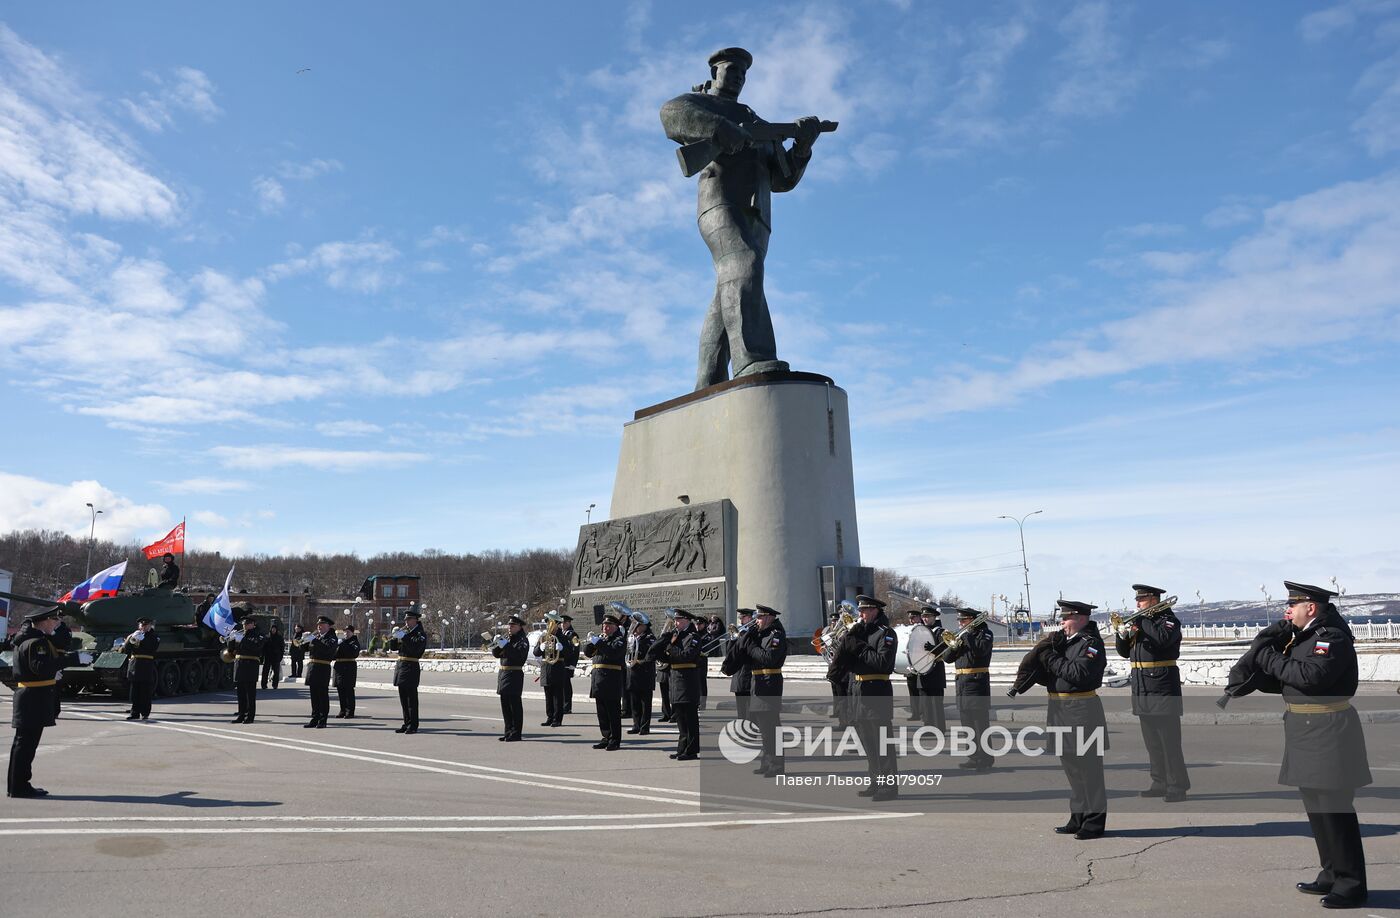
(1118, 620)
(549, 644)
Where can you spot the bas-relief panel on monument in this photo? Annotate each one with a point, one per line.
(678, 557)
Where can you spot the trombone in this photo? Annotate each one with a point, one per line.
(1118, 620)
(952, 642)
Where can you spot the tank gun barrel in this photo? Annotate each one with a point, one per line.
(69, 608)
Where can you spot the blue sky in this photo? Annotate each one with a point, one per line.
(1133, 265)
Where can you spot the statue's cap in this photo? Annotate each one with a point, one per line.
(733, 55)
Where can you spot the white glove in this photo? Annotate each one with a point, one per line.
(236, 636)
(1125, 631)
(117, 643)
(501, 642)
(399, 634)
(595, 639)
(84, 658)
(138, 636)
(557, 645)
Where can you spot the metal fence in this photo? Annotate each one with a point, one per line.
(1364, 631)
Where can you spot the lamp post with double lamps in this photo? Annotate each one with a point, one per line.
(92, 535)
(1025, 568)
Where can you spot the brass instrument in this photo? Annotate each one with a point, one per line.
(832, 635)
(952, 642)
(1118, 620)
(549, 643)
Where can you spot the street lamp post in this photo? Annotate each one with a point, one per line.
(588, 514)
(92, 534)
(1025, 568)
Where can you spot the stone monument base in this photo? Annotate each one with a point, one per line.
(778, 447)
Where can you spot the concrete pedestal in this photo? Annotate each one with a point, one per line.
(778, 446)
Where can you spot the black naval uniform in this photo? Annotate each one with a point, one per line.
(274, 648)
(763, 654)
(868, 654)
(736, 667)
(34, 705)
(663, 683)
(840, 681)
(609, 655)
(1324, 752)
(711, 645)
(510, 682)
(680, 650)
(345, 671)
(1076, 668)
(554, 676)
(641, 680)
(1153, 648)
(321, 650)
(298, 652)
(247, 660)
(141, 672)
(972, 680)
(568, 633)
(406, 674)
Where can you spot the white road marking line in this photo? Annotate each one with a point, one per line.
(459, 769)
(571, 781)
(322, 830)
(406, 818)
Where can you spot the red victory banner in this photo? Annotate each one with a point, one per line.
(173, 543)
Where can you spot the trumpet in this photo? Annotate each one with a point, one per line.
(952, 642)
(1117, 620)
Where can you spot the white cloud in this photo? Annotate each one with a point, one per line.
(1320, 270)
(272, 456)
(32, 503)
(1379, 125)
(209, 518)
(305, 172)
(1341, 17)
(348, 428)
(272, 197)
(208, 486)
(355, 266)
(1098, 80)
(186, 89)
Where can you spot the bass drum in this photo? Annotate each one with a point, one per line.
(920, 661)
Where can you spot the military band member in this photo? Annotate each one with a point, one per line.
(663, 684)
(410, 641)
(346, 670)
(512, 649)
(553, 676)
(245, 641)
(140, 648)
(1324, 753)
(868, 654)
(933, 683)
(570, 639)
(972, 681)
(712, 642)
(609, 654)
(911, 681)
(36, 664)
(840, 682)
(1152, 644)
(763, 649)
(736, 667)
(298, 652)
(680, 650)
(641, 677)
(320, 651)
(1075, 659)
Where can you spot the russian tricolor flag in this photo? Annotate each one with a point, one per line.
(98, 586)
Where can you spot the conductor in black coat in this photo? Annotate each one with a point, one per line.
(34, 705)
(410, 641)
(1152, 645)
(346, 670)
(245, 641)
(609, 654)
(1075, 659)
(320, 652)
(680, 650)
(140, 648)
(1324, 752)
(512, 649)
(736, 668)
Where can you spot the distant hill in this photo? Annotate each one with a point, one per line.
(1378, 606)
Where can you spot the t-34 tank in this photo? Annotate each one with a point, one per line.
(188, 659)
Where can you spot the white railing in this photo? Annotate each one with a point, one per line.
(1368, 631)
